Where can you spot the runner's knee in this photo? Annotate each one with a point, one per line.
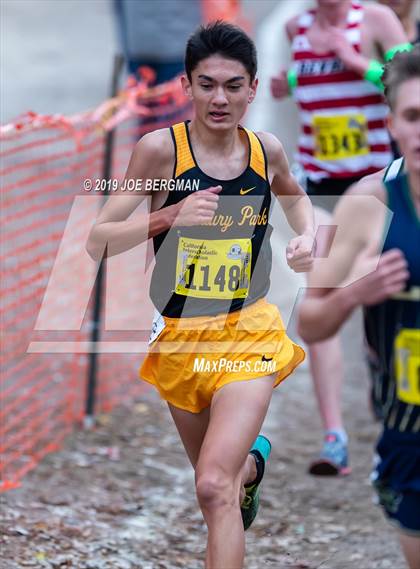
(214, 488)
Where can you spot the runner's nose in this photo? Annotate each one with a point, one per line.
(220, 97)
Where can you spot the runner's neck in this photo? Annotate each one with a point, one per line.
(336, 16)
(222, 143)
(414, 186)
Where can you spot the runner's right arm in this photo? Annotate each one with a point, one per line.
(152, 158)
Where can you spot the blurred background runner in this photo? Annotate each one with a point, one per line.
(343, 137)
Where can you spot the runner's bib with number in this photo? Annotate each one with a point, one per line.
(338, 137)
(407, 365)
(216, 268)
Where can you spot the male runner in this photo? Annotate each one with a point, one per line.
(391, 296)
(405, 13)
(212, 272)
(335, 80)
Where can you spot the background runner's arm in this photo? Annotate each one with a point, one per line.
(323, 311)
(282, 84)
(353, 274)
(326, 306)
(385, 26)
(386, 32)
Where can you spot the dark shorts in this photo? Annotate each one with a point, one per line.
(396, 479)
(327, 192)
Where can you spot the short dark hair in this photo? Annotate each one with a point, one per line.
(403, 66)
(220, 38)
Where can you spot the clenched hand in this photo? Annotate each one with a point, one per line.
(198, 208)
(389, 277)
(279, 85)
(299, 253)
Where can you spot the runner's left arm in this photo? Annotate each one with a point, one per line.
(295, 203)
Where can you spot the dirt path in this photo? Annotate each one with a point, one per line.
(121, 497)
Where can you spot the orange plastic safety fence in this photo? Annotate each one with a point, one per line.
(47, 275)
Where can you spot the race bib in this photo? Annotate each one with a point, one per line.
(158, 325)
(219, 268)
(407, 365)
(341, 136)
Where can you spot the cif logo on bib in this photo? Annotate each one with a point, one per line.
(235, 252)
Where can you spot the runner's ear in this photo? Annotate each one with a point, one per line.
(390, 123)
(186, 86)
(252, 90)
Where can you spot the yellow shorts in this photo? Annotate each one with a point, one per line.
(194, 357)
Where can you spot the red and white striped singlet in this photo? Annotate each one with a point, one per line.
(343, 129)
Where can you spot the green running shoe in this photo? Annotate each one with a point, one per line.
(261, 451)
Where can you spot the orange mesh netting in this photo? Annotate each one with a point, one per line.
(48, 278)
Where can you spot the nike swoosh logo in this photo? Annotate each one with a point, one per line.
(264, 359)
(243, 192)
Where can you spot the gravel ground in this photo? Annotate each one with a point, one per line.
(121, 496)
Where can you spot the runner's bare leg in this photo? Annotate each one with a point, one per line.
(192, 428)
(410, 545)
(326, 359)
(236, 416)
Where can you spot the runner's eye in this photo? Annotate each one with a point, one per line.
(412, 115)
(205, 86)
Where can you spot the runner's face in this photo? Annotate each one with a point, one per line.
(221, 90)
(404, 122)
(401, 7)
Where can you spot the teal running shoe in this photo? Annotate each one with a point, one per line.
(261, 451)
(334, 458)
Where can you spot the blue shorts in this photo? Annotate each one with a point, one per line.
(396, 479)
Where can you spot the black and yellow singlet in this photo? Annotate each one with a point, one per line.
(218, 267)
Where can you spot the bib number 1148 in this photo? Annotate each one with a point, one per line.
(232, 280)
(218, 268)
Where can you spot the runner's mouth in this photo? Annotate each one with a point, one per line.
(218, 114)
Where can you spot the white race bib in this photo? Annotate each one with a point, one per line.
(158, 325)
